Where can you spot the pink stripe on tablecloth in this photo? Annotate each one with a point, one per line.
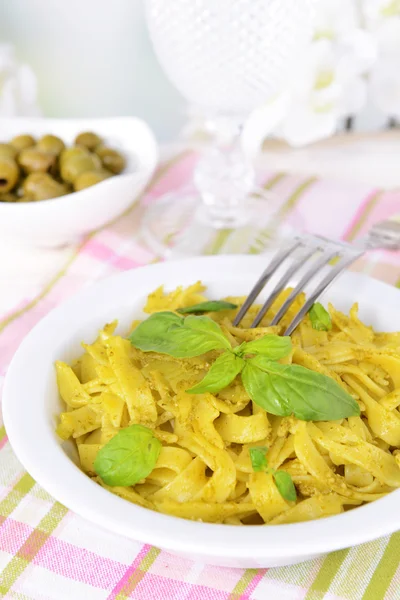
(104, 253)
(155, 587)
(79, 564)
(13, 535)
(359, 213)
(3, 442)
(253, 584)
(175, 179)
(128, 573)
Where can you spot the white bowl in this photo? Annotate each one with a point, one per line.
(31, 405)
(64, 220)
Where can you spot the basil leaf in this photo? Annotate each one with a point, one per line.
(128, 457)
(273, 346)
(258, 458)
(209, 306)
(286, 389)
(257, 384)
(168, 333)
(320, 318)
(285, 485)
(153, 334)
(222, 372)
(204, 326)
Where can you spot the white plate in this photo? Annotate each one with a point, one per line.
(63, 220)
(31, 405)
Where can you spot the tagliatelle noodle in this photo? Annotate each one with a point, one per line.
(204, 471)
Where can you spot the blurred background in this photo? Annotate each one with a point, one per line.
(94, 58)
(91, 58)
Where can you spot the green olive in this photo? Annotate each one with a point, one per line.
(51, 144)
(111, 159)
(20, 142)
(9, 174)
(41, 186)
(33, 160)
(8, 151)
(88, 139)
(8, 197)
(89, 178)
(76, 165)
(73, 152)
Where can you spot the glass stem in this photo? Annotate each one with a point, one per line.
(224, 178)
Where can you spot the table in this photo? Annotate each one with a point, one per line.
(49, 550)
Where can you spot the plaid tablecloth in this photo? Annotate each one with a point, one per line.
(49, 553)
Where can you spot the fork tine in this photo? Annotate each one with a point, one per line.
(321, 287)
(261, 283)
(282, 284)
(313, 270)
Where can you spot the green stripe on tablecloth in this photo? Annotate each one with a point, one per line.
(45, 291)
(265, 234)
(364, 216)
(295, 197)
(397, 284)
(15, 495)
(243, 584)
(2, 432)
(218, 242)
(326, 575)
(274, 181)
(31, 547)
(384, 571)
(222, 236)
(357, 569)
(138, 574)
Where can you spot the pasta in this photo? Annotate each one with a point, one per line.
(203, 470)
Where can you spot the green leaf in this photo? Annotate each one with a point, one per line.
(207, 327)
(168, 333)
(292, 389)
(128, 457)
(209, 306)
(258, 386)
(285, 485)
(273, 346)
(319, 317)
(222, 372)
(258, 458)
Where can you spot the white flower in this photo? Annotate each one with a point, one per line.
(329, 83)
(335, 18)
(376, 12)
(329, 87)
(385, 77)
(18, 89)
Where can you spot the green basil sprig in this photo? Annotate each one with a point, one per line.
(168, 333)
(282, 390)
(282, 479)
(273, 346)
(320, 318)
(128, 457)
(209, 306)
(292, 389)
(222, 372)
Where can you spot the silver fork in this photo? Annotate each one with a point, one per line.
(318, 252)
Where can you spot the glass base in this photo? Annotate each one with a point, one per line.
(177, 225)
